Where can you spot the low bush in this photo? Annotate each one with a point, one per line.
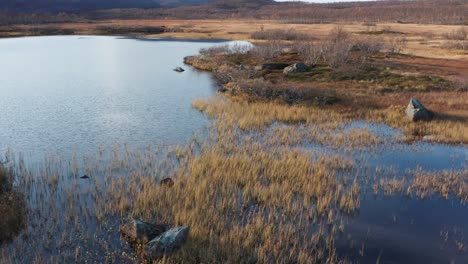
(279, 34)
(287, 93)
(458, 34)
(368, 47)
(269, 50)
(311, 53)
(454, 44)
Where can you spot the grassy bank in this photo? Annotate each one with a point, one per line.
(346, 78)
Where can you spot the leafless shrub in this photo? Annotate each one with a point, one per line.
(368, 47)
(288, 94)
(458, 34)
(225, 49)
(215, 50)
(336, 50)
(225, 74)
(459, 45)
(279, 34)
(396, 45)
(338, 34)
(266, 51)
(239, 48)
(218, 54)
(311, 53)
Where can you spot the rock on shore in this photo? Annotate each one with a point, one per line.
(137, 231)
(167, 243)
(157, 240)
(416, 111)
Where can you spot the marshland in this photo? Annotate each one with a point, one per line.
(290, 144)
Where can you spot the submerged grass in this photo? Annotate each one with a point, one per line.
(259, 115)
(250, 191)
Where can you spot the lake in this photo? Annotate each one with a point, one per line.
(74, 96)
(64, 95)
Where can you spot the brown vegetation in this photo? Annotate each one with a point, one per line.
(248, 191)
(354, 75)
(12, 206)
(419, 11)
(279, 34)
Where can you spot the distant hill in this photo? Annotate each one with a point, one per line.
(236, 4)
(69, 5)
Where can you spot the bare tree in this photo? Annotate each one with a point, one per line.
(336, 50)
(310, 52)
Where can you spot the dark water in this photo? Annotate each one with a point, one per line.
(72, 94)
(398, 229)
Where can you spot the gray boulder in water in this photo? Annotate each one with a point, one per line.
(295, 68)
(179, 69)
(166, 243)
(136, 231)
(168, 182)
(416, 111)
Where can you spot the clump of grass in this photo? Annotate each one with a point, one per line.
(443, 129)
(259, 115)
(12, 207)
(447, 184)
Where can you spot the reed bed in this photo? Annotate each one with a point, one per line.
(251, 191)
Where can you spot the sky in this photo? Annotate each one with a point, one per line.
(323, 1)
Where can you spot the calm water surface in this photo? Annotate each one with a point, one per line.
(66, 95)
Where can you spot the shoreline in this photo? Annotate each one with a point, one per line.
(293, 191)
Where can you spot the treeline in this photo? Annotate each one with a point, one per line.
(417, 11)
(25, 18)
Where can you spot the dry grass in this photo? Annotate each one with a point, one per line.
(361, 85)
(250, 190)
(446, 184)
(243, 28)
(267, 199)
(260, 115)
(263, 204)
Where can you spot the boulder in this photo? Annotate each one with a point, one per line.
(222, 89)
(416, 111)
(136, 231)
(166, 243)
(271, 66)
(179, 69)
(168, 182)
(295, 68)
